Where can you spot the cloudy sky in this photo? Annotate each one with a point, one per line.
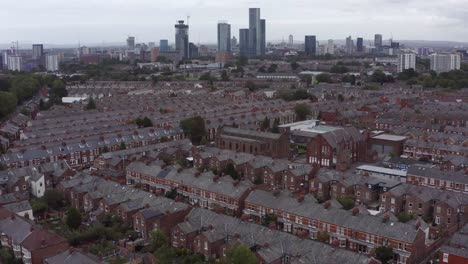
(107, 21)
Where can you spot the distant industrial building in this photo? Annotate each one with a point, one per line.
(445, 62)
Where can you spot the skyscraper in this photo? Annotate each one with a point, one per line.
(52, 63)
(224, 37)
(310, 46)
(15, 63)
(193, 50)
(257, 33)
(291, 41)
(254, 31)
(233, 42)
(37, 51)
(360, 45)
(163, 45)
(182, 39)
(349, 45)
(244, 41)
(131, 43)
(406, 60)
(262, 37)
(378, 41)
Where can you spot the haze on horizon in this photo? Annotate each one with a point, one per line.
(91, 21)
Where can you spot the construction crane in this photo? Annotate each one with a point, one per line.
(188, 18)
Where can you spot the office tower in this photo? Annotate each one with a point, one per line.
(244, 41)
(182, 39)
(37, 51)
(224, 37)
(406, 61)
(310, 46)
(151, 45)
(349, 45)
(378, 41)
(291, 41)
(14, 63)
(131, 43)
(233, 42)
(445, 62)
(330, 49)
(254, 31)
(52, 63)
(163, 45)
(85, 50)
(154, 54)
(394, 45)
(360, 45)
(262, 37)
(193, 50)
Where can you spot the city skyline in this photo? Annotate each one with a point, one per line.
(88, 23)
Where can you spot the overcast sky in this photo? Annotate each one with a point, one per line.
(101, 21)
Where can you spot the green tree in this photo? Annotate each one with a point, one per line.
(340, 98)
(270, 218)
(91, 104)
(58, 91)
(54, 199)
(295, 65)
(275, 128)
(73, 218)
(380, 77)
(240, 254)
(265, 124)
(302, 111)
(242, 61)
(273, 67)
(157, 240)
(323, 77)
(231, 171)
(407, 74)
(339, 69)
(147, 122)
(195, 127)
(224, 76)
(384, 254)
(122, 145)
(8, 102)
(405, 217)
(24, 86)
(346, 202)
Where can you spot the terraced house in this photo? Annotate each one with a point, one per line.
(354, 230)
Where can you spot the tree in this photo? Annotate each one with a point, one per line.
(380, 77)
(8, 102)
(157, 240)
(275, 128)
(242, 61)
(294, 65)
(224, 76)
(351, 79)
(270, 218)
(302, 111)
(404, 217)
(240, 254)
(272, 68)
(250, 85)
(346, 202)
(265, 124)
(384, 254)
(54, 199)
(407, 74)
(195, 127)
(339, 69)
(122, 145)
(73, 218)
(91, 104)
(147, 122)
(24, 86)
(231, 171)
(340, 98)
(58, 91)
(323, 77)
(308, 81)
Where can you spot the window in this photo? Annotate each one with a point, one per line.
(449, 211)
(358, 194)
(437, 220)
(410, 205)
(445, 257)
(206, 245)
(383, 198)
(438, 209)
(392, 200)
(420, 206)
